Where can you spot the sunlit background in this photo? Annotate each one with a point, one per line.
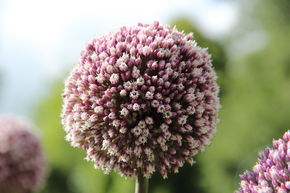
(249, 41)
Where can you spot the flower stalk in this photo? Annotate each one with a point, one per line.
(142, 184)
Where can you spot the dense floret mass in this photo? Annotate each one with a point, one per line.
(272, 171)
(141, 99)
(22, 164)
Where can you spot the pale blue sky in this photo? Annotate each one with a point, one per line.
(39, 39)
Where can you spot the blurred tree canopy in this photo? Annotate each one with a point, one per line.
(255, 99)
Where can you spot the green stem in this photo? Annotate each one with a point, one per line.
(141, 184)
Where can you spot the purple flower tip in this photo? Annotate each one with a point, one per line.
(272, 171)
(141, 99)
(22, 164)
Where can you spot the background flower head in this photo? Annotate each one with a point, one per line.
(272, 171)
(141, 99)
(22, 163)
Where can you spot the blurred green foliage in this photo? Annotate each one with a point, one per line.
(255, 96)
(256, 106)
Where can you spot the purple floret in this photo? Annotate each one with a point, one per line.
(271, 173)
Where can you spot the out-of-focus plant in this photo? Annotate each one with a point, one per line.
(22, 162)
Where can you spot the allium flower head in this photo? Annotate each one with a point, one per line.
(141, 99)
(271, 173)
(22, 164)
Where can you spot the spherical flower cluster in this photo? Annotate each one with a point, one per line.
(22, 164)
(141, 99)
(272, 172)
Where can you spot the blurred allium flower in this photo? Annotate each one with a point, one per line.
(272, 172)
(22, 164)
(141, 99)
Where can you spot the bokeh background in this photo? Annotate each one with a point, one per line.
(249, 40)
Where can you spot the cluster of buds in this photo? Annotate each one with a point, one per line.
(140, 100)
(22, 164)
(272, 172)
